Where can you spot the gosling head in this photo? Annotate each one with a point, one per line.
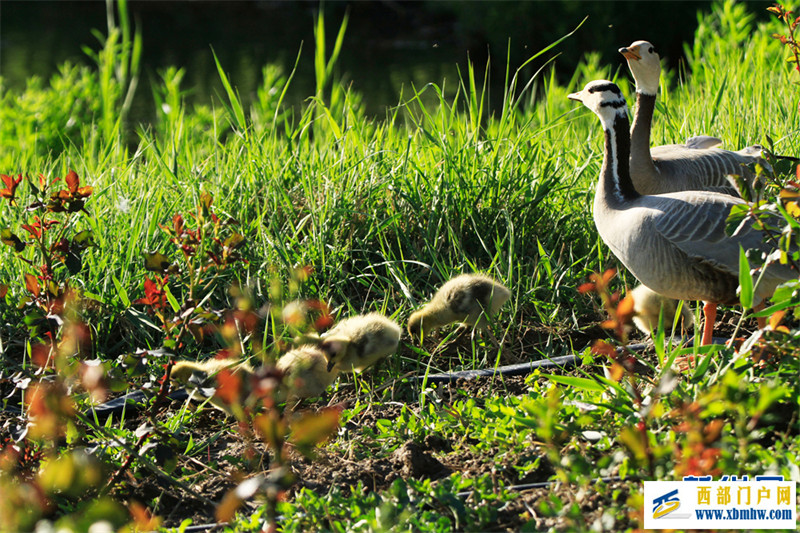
(422, 322)
(335, 349)
(603, 98)
(189, 372)
(645, 64)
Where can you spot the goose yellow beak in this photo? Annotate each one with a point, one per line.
(630, 53)
(576, 96)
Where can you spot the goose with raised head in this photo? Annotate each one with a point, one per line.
(673, 243)
(467, 298)
(696, 165)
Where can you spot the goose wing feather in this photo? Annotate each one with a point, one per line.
(695, 224)
(703, 142)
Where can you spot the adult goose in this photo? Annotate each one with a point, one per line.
(696, 165)
(673, 243)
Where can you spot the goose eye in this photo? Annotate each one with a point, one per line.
(651, 50)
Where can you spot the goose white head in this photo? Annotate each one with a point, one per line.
(603, 98)
(645, 64)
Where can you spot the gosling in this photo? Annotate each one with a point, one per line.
(198, 376)
(467, 299)
(358, 342)
(307, 372)
(648, 305)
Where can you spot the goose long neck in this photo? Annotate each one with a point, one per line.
(642, 125)
(615, 177)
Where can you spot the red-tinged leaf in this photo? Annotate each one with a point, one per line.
(230, 387)
(177, 223)
(72, 181)
(83, 192)
(227, 508)
(10, 189)
(214, 258)
(774, 9)
(625, 309)
(32, 284)
(616, 372)
(776, 318)
(34, 230)
(40, 354)
(608, 324)
(323, 322)
(601, 347)
(206, 200)
(143, 518)
(272, 428)
(587, 287)
(608, 274)
(713, 430)
(3, 290)
(314, 428)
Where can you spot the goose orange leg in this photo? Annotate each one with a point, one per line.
(710, 314)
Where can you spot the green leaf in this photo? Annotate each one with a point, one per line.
(735, 217)
(236, 105)
(234, 241)
(579, 383)
(156, 262)
(8, 237)
(123, 294)
(171, 299)
(745, 281)
(84, 239)
(73, 262)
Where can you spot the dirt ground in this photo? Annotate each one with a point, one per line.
(233, 457)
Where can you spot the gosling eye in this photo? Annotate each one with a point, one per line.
(651, 50)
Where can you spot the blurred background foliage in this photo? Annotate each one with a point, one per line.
(389, 44)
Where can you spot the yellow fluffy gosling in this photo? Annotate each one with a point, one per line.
(306, 372)
(360, 341)
(198, 375)
(467, 298)
(647, 305)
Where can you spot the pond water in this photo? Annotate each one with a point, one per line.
(388, 46)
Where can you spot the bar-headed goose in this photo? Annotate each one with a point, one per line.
(696, 165)
(673, 243)
(360, 341)
(467, 298)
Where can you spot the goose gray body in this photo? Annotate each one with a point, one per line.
(673, 243)
(696, 165)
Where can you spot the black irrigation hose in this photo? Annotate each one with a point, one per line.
(135, 400)
(520, 369)
(547, 484)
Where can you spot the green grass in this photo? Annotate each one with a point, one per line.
(385, 210)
